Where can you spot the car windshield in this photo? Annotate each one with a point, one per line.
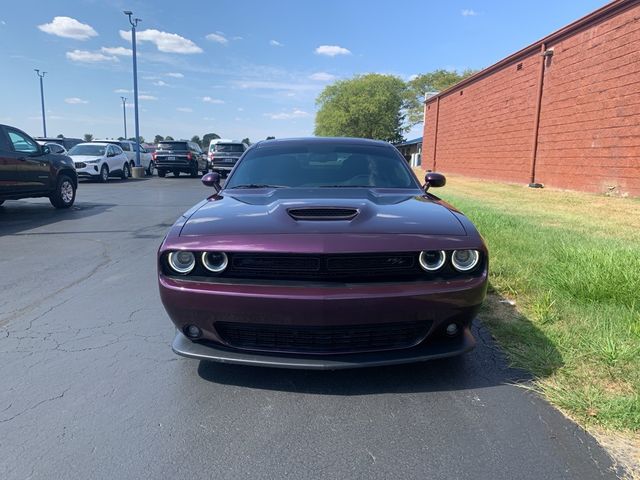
(172, 146)
(97, 150)
(321, 166)
(227, 147)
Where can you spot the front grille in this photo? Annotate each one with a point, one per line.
(322, 213)
(323, 339)
(343, 267)
(80, 164)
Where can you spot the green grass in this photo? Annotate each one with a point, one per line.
(571, 263)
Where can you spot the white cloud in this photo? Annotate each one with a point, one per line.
(275, 43)
(322, 77)
(240, 109)
(332, 50)
(237, 38)
(75, 101)
(90, 57)
(184, 109)
(68, 27)
(467, 12)
(164, 41)
(160, 83)
(121, 90)
(211, 100)
(147, 97)
(218, 38)
(121, 51)
(296, 113)
(2, 22)
(174, 75)
(268, 85)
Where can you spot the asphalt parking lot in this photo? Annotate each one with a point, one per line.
(91, 388)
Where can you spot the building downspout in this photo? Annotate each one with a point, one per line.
(435, 134)
(536, 120)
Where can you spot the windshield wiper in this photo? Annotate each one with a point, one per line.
(346, 186)
(257, 185)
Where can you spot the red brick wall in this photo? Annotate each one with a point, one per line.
(589, 130)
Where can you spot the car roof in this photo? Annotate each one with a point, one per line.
(321, 141)
(110, 141)
(103, 144)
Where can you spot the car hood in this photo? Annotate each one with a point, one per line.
(84, 158)
(267, 211)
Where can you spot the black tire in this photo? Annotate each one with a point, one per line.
(1, 202)
(176, 173)
(194, 170)
(104, 174)
(150, 168)
(162, 173)
(126, 171)
(65, 193)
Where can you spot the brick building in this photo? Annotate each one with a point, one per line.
(563, 112)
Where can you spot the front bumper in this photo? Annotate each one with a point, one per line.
(92, 170)
(433, 350)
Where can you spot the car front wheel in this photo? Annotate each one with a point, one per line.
(162, 173)
(104, 174)
(150, 169)
(65, 193)
(126, 171)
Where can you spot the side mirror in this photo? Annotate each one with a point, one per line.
(46, 150)
(433, 179)
(212, 180)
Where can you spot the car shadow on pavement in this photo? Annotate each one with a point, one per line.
(485, 366)
(18, 216)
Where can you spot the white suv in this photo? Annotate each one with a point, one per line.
(129, 148)
(100, 160)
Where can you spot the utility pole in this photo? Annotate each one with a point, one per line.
(124, 115)
(134, 24)
(44, 121)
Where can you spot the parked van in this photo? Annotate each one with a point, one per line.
(223, 154)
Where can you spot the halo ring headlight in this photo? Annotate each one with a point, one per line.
(432, 260)
(215, 262)
(465, 260)
(182, 261)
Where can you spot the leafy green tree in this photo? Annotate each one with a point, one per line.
(158, 139)
(246, 140)
(206, 139)
(271, 138)
(368, 106)
(88, 137)
(196, 139)
(121, 138)
(435, 81)
(60, 135)
(169, 138)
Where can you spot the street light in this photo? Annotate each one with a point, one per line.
(44, 121)
(134, 24)
(124, 115)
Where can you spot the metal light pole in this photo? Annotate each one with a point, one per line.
(44, 121)
(134, 24)
(124, 115)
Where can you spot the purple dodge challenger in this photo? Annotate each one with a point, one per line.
(322, 253)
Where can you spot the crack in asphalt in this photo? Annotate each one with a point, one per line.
(46, 400)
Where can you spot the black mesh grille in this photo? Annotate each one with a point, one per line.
(323, 213)
(344, 267)
(323, 339)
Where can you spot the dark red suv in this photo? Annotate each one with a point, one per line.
(28, 169)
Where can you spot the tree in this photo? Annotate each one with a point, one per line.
(158, 139)
(435, 81)
(169, 138)
(206, 139)
(60, 135)
(196, 139)
(368, 106)
(246, 140)
(88, 137)
(271, 138)
(121, 138)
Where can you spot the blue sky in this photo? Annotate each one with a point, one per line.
(239, 68)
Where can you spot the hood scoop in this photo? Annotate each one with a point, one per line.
(323, 213)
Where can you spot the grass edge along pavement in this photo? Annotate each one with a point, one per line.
(564, 298)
